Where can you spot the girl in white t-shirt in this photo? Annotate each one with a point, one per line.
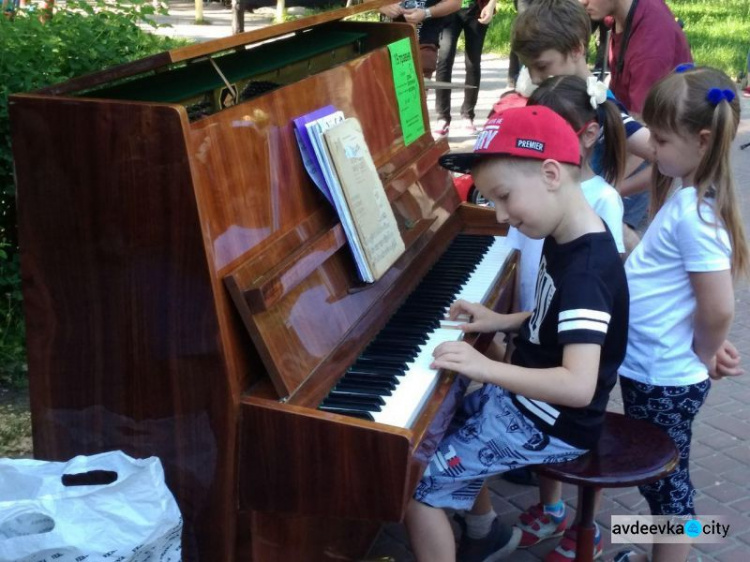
(681, 274)
(584, 104)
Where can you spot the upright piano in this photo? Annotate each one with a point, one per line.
(190, 294)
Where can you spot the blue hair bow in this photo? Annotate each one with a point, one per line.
(680, 68)
(716, 95)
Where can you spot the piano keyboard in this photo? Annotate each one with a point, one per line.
(391, 380)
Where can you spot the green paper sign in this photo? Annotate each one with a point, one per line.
(408, 95)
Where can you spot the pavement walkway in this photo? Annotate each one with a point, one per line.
(720, 455)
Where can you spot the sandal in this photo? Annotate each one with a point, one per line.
(442, 128)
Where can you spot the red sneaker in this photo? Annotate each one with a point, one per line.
(566, 550)
(537, 526)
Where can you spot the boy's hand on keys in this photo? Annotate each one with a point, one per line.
(462, 358)
(476, 317)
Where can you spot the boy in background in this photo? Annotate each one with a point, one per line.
(551, 38)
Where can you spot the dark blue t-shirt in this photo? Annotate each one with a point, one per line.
(581, 297)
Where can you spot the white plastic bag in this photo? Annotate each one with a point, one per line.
(134, 518)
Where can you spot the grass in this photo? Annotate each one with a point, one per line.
(15, 425)
(718, 31)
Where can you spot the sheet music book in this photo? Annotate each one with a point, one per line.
(364, 195)
(316, 129)
(307, 149)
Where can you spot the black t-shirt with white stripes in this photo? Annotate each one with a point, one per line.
(581, 297)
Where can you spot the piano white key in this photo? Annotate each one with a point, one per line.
(483, 278)
(402, 408)
(415, 387)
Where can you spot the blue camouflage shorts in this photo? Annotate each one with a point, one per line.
(488, 436)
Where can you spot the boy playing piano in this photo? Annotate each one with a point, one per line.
(548, 405)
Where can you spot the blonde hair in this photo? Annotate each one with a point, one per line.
(687, 103)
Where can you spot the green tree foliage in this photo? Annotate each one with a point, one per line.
(81, 38)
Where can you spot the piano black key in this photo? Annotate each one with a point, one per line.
(354, 398)
(385, 351)
(359, 392)
(371, 403)
(390, 355)
(389, 371)
(362, 384)
(348, 412)
(367, 391)
(374, 361)
(351, 405)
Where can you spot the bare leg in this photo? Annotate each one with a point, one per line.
(671, 552)
(483, 503)
(430, 533)
(550, 491)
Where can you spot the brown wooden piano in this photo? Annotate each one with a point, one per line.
(190, 294)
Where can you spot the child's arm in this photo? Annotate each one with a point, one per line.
(639, 145)
(482, 319)
(573, 384)
(713, 315)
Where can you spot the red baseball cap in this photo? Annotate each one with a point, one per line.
(534, 131)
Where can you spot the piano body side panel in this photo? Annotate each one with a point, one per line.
(279, 538)
(124, 343)
(334, 466)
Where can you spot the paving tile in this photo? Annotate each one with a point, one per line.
(505, 509)
(706, 505)
(724, 492)
(730, 424)
(702, 478)
(742, 505)
(713, 548)
(631, 501)
(526, 499)
(744, 538)
(741, 453)
(717, 463)
(739, 475)
(719, 440)
(697, 556)
(737, 553)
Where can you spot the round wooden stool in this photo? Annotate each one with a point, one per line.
(630, 452)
